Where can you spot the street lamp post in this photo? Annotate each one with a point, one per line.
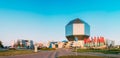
(76, 50)
(76, 39)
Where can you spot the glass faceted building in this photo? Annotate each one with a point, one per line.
(77, 30)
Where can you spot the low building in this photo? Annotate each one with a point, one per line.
(61, 44)
(117, 46)
(23, 44)
(40, 45)
(91, 42)
(52, 44)
(110, 43)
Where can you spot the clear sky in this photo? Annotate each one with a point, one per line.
(42, 20)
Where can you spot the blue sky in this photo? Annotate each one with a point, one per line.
(42, 20)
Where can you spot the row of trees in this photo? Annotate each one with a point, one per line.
(1, 45)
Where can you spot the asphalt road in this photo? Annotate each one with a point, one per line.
(56, 53)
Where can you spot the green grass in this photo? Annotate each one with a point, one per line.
(48, 49)
(15, 52)
(105, 51)
(79, 56)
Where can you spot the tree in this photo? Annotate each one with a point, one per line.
(1, 45)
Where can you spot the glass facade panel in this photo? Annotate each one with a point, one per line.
(87, 29)
(69, 30)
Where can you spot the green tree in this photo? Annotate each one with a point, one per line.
(1, 45)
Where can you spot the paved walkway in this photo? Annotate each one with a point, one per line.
(56, 53)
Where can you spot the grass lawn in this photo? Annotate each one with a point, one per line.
(105, 51)
(47, 49)
(79, 56)
(15, 52)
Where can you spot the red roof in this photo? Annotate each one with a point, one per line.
(95, 39)
(88, 40)
(85, 40)
(102, 39)
(98, 39)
